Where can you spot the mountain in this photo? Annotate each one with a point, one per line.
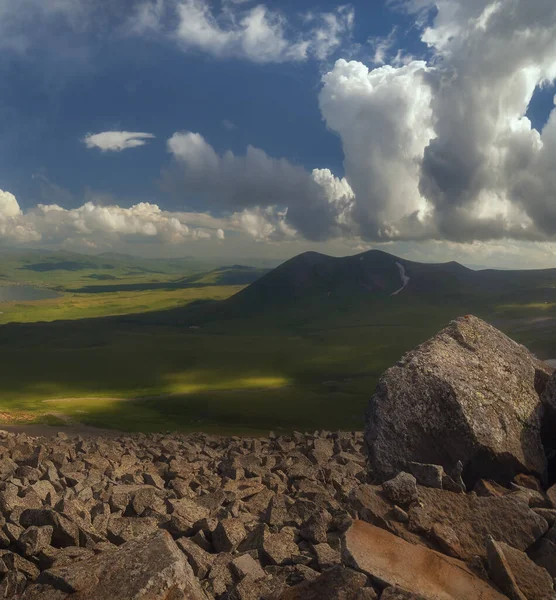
(315, 288)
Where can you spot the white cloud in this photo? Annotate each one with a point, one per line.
(444, 149)
(100, 225)
(116, 141)
(255, 33)
(384, 119)
(265, 192)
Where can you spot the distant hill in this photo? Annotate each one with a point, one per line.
(312, 287)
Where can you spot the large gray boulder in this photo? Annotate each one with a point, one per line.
(468, 394)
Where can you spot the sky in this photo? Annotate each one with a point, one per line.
(235, 129)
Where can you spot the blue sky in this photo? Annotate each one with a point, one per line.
(426, 137)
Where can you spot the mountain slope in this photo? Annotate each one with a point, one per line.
(313, 287)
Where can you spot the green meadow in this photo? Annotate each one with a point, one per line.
(151, 359)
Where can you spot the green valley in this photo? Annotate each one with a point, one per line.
(302, 347)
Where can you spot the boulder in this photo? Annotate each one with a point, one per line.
(391, 561)
(148, 569)
(469, 394)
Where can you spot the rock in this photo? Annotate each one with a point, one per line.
(400, 515)
(220, 576)
(472, 518)
(517, 575)
(447, 540)
(544, 555)
(548, 514)
(338, 583)
(551, 493)
(14, 562)
(402, 489)
(280, 548)
(327, 557)
(255, 589)
(468, 394)
(200, 560)
(153, 568)
(484, 487)
(64, 531)
(389, 560)
(34, 539)
(527, 481)
(125, 529)
(14, 583)
(396, 593)
(228, 534)
(185, 513)
(427, 475)
(246, 566)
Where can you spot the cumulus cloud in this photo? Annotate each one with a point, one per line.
(98, 224)
(271, 196)
(443, 149)
(255, 33)
(116, 141)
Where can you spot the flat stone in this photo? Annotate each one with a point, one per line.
(389, 560)
(516, 574)
(246, 566)
(472, 518)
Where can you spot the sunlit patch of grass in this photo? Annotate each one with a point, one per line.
(206, 380)
(531, 306)
(81, 306)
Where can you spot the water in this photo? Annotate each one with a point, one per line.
(22, 293)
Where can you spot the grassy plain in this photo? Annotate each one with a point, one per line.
(159, 367)
(70, 306)
(241, 377)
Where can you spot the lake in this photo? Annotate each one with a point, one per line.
(22, 293)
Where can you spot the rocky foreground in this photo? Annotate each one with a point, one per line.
(448, 495)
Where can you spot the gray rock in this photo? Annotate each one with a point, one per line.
(402, 489)
(200, 560)
(246, 566)
(470, 393)
(228, 535)
(149, 569)
(280, 548)
(125, 529)
(34, 539)
(427, 475)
